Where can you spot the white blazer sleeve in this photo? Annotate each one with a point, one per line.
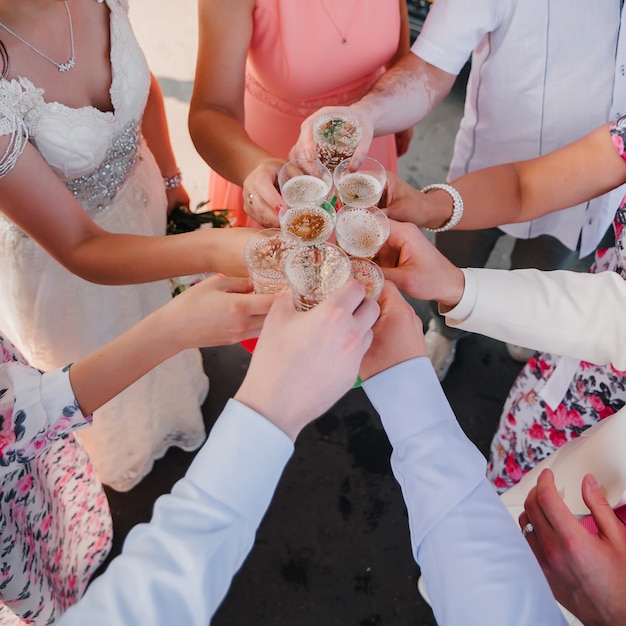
(178, 568)
(478, 568)
(572, 314)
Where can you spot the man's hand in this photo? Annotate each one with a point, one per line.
(398, 334)
(305, 361)
(587, 573)
(304, 147)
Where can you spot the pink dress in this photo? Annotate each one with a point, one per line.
(298, 62)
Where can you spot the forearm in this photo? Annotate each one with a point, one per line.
(108, 371)
(155, 129)
(224, 144)
(404, 95)
(119, 259)
(525, 190)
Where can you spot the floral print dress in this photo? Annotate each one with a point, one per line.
(541, 412)
(55, 523)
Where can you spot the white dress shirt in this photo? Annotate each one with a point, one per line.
(177, 568)
(543, 75)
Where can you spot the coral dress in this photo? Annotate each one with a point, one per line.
(55, 317)
(554, 399)
(298, 62)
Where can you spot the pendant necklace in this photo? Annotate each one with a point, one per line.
(344, 36)
(62, 67)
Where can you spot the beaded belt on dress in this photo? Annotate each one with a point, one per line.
(304, 108)
(96, 191)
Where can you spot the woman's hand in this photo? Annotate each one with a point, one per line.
(403, 140)
(217, 311)
(261, 199)
(177, 197)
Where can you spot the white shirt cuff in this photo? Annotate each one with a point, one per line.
(467, 302)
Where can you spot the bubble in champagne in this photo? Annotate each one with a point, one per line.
(359, 189)
(361, 232)
(311, 223)
(304, 189)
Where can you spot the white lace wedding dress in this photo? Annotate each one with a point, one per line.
(55, 317)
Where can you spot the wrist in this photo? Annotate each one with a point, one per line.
(447, 207)
(266, 405)
(454, 290)
(174, 181)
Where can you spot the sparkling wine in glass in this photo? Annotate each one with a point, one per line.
(336, 137)
(370, 275)
(311, 223)
(360, 186)
(316, 271)
(304, 181)
(361, 232)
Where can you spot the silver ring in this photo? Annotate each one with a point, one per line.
(250, 196)
(528, 528)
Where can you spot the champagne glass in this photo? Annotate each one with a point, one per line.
(265, 253)
(360, 186)
(311, 223)
(304, 181)
(370, 275)
(361, 232)
(316, 271)
(336, 137)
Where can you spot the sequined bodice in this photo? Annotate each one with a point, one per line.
(92, 151)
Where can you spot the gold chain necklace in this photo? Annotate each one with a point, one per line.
(344, 36)
(62, 67)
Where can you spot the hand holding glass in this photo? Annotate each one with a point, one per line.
(265, 253)
(311, 223)
(336, 137)
(361, 232)
(316, 271)
(360, 186)
(304, 181)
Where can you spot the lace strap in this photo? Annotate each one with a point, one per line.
(11, 123)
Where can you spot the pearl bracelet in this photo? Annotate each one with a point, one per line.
(457, 207)
(172, 182)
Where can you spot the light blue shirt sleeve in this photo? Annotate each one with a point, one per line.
(178, 568)
(477, 566)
